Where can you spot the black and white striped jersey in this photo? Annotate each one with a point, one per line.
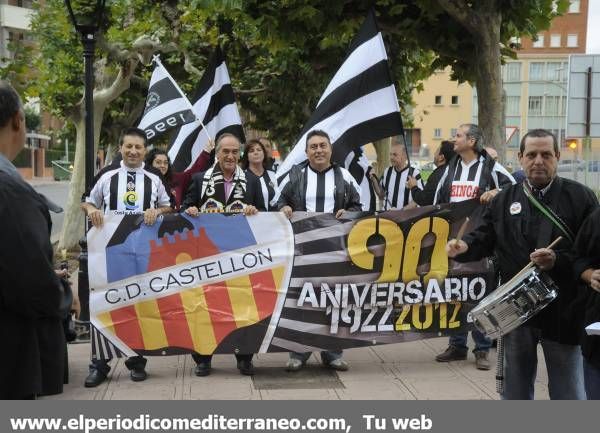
(269, 192)
(130, 190)
(471, 180)
(393, 182)
(320, 188)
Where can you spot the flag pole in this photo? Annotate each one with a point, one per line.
(156, 59)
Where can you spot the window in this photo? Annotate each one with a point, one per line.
(555, 41)
(536, 71)
(454, 100)
(513, 105)
(572, 41)
(438, 100)
(453, 132)
(552, 107)
(540, 42)
(574, 6)
(554, 71)
(535, 105)
(437, 133)
(512, 71)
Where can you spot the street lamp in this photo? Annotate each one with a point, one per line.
(86, 17)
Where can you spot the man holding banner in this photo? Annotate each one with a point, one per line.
(319, 187)
(224, 188)
(473, 174)
(127, 188)
(518, 226)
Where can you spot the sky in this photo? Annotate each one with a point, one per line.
(593, 30)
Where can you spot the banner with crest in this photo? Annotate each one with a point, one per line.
(223, 283)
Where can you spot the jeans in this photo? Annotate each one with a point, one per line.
(326, 356)
(563, 362)
(591, 374)
(482, 343)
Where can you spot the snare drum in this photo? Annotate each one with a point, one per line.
(513, 303)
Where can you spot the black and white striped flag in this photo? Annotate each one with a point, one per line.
(359, 105)
(360, 168)
(215, 105)
(166, 105)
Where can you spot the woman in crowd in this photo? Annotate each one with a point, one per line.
(254, 162)
(177, 183)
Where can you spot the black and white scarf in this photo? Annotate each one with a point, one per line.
(212, 197)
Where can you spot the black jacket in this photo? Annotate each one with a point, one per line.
(425, 196)
(252, 196)
(294, 192)
(513, 234)
(587, 250)
(31, 296)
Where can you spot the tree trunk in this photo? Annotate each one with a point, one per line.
(489, 84)
(73, 229)
(73, 224)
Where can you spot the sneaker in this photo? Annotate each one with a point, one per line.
(294, 364)
(481, 361)
(338, 364)
(452, 353)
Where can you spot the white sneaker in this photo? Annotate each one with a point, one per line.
(294, 364)
(338, 364)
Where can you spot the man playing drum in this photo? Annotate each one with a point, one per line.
(519, 223)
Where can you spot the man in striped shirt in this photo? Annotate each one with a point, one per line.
(319, 186)
(393, 188)
(473, 174)
(128, 188)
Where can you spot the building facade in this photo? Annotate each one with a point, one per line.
(439, 108)
(15, 18)
(535, 85)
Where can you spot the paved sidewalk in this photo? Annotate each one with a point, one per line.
(405, 371)
(38, 181)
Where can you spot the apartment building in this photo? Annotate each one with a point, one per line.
(535, 86)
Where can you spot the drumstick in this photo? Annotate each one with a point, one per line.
(461, 232)
(462, 229)
(531, 264)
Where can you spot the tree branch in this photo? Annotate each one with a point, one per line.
(250, 91)
(462, 13)
(119, 85)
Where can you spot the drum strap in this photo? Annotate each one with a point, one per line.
(549, 213)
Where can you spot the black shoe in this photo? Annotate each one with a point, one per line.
(452, 353)
(246, 368)
(138, 374)
(94, 379)
(202, 369)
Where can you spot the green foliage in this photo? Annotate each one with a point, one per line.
(455, 44)
(17, 70)
(32, 119)
(281, 54)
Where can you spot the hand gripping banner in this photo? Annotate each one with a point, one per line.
(221, 283)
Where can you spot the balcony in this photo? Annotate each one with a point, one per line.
(15, 17)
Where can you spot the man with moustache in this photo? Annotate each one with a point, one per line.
(519, 224)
